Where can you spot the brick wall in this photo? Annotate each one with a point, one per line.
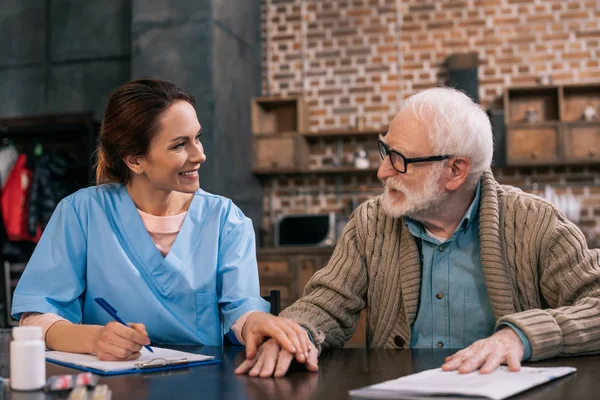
(342, 56)
(517, 41)
(353, 58)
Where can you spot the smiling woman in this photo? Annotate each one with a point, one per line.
(150, 131)
(176, 259)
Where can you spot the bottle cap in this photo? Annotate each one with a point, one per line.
(27, 333)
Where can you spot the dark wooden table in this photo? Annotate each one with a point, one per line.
(340, 371)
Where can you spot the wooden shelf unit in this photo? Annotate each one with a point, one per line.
(280, 139)
(288, 153)
(561, 136)
(276, 142)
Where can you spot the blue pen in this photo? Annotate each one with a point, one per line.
(113, 313)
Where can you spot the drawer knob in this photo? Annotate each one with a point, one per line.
(534, 155)
(592, 153)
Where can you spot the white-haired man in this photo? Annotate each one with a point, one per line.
(448, 258)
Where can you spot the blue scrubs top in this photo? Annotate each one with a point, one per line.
(96, 245)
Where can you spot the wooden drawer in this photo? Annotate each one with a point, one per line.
(532, 145)
(583, 142)
(274, 267)
(280, 152)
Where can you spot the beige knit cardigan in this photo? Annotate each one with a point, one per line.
(538, 271)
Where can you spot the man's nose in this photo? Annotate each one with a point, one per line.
(386, 170)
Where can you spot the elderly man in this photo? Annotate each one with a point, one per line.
(449, 258)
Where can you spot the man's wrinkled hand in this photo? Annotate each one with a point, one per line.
(272, 360)
(288, 333)
(503, 347)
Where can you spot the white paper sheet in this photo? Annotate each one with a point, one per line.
(498, 385)
(91, 361)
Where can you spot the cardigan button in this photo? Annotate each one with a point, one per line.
(399, 341)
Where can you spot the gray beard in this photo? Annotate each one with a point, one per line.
(430, 203)
(430, 210)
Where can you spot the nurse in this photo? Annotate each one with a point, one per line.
(163, 252)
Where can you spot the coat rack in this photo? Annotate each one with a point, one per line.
(74, 134)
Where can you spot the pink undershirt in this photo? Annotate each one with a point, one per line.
(163, 231)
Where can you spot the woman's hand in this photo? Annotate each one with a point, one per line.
(117, 342)
(292, 337)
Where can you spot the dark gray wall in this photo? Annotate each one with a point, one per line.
(211, 48)
(59, 56)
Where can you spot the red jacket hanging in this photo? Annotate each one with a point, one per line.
(14, 198)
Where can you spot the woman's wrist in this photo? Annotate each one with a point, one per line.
(95, 332)
(75, 338)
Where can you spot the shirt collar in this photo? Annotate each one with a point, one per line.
(469, 218)
(473, 212)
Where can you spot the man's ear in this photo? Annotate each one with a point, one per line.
(460, 168)
(134, 164)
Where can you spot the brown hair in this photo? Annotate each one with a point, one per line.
(131, 120)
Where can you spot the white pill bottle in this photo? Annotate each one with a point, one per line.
(27, 359)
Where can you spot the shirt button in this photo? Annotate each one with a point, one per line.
(440, 295)
(440, 345)
(441, 248)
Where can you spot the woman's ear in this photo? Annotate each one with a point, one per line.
(460, 168)
(134, 164)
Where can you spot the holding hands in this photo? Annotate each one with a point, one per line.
(272, 360)
(288, 340)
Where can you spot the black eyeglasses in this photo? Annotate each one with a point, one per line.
(399, 162)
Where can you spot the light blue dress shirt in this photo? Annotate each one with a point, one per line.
(454, 307)
(96, 245)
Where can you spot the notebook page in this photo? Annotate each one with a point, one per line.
(498, 385)
(91, 361)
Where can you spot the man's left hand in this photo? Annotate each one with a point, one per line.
(272, 360)
(503, 347)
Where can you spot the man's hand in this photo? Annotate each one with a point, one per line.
(272, 360)
(291, 336)
(503, 347)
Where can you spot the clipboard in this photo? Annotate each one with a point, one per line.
(161, 360)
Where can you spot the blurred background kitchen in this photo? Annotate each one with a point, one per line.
(292, 95)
